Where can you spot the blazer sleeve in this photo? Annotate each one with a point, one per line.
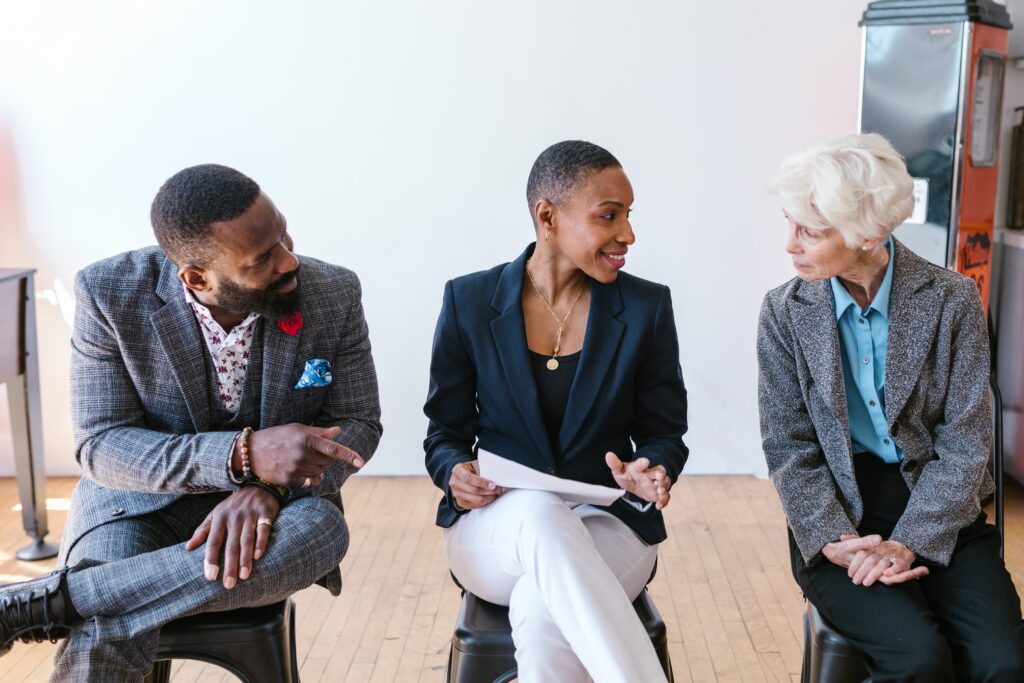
(796, 462)
(353, 403)
(945, 497)
(451, 406)
(113, 444)
(659, 410)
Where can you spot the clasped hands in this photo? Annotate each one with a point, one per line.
(289, 455)
(868, 559)
(471, 491)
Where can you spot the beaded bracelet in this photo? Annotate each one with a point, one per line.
(243, 451)
(249, 478)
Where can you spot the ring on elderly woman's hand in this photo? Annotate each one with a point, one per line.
(892, 560)
(263, 520)
(307, 482)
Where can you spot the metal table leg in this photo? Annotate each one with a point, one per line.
(26, 428)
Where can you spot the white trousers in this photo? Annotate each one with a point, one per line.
(569, 576)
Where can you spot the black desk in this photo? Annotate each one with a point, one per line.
(19, 371)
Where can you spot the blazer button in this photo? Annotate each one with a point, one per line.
(116, 512)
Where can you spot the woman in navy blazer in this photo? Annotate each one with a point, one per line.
(562, 363)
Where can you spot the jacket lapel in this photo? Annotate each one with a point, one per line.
(814, 323)
(604, 332)
(509, 334)
(914, 313)
(279, 373)
(178, 333)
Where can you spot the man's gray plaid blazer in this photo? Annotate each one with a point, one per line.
(936, 403)
(142, 407)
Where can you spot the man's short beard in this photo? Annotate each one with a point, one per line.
(267, 302)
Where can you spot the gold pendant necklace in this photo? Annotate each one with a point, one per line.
(552, 363)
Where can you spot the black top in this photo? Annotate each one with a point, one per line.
(553, 391)
(936, 12)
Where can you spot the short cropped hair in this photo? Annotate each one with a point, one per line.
(560, 170)
(190, 201)
(857, 184)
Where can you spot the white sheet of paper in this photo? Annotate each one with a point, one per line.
(512, 475)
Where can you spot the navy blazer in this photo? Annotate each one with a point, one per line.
(628, 387)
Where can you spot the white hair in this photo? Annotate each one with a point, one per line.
(857, 184)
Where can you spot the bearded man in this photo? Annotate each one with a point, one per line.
(222, 390)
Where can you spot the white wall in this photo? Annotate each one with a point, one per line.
(397, 137)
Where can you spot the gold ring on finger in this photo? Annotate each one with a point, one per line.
(264, 520)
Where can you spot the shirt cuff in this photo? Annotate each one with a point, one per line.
(637, 502)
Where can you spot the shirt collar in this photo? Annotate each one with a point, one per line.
(194, 302)
(881, 301)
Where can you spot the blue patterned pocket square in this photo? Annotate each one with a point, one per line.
(316, 374)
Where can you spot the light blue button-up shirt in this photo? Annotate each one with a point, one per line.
(864, 337)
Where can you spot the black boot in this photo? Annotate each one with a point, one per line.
(34, 611)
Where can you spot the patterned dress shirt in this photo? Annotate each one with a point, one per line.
(229, 350)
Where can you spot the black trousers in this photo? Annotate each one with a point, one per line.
(958, 623)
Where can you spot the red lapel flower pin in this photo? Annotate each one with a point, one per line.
(291, 325)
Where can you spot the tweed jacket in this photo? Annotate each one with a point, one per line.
(140, 400)
(936, 404)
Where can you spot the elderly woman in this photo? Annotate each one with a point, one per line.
(875, 419)
(561, 362)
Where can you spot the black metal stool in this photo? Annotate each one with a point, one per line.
(482, 650)
(828, 656)
(256, 644)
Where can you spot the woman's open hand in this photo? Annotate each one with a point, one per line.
(470, 490)
(639, 478)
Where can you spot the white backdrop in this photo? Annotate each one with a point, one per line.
(397, 137)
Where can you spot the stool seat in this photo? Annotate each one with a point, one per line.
(257, 644)
(483, 652)
(483, 629)
(828, 656)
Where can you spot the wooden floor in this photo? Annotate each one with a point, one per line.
(723, 586)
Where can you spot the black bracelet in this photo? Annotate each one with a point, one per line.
(280, 493)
